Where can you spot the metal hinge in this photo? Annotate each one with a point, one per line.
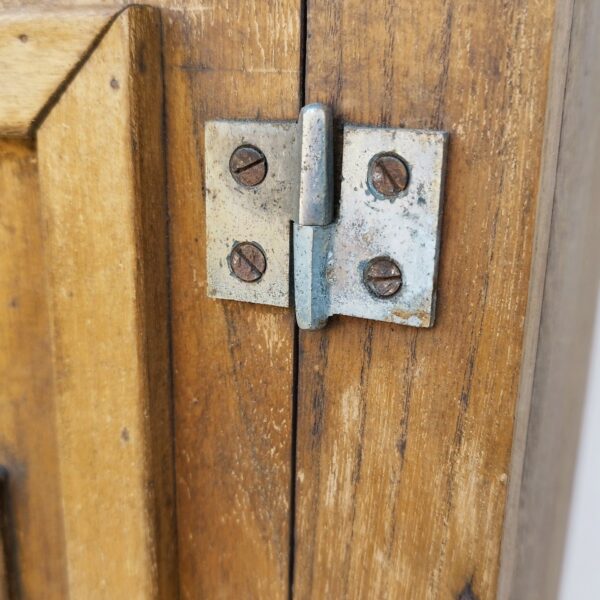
(377, 260)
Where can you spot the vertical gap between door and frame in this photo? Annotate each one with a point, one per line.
(296, 341)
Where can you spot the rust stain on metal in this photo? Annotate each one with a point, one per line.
(383, 277)
(422, 316)
(388, 175)
(247, 262)
(248, 166)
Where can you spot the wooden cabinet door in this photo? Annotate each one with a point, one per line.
(162, 444)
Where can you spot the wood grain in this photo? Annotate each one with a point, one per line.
(33, 535)
(39, 50)
(5, 536)
(233, 363)
(103, 197)
(404, 436)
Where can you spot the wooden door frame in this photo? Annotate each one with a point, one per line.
(562, 307)
(86, 87)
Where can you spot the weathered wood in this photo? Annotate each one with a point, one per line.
(103, 198)
(4, 535)
(33, 536)
(233, 363)
(404, 436)
(545, 445)
(39, 50)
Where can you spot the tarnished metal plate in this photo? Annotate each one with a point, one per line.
(405, 228)
(377, 261)
(260, 214)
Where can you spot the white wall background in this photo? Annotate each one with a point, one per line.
(581, 567)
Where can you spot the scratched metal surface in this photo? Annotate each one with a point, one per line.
(261, 214)
(329, 259)
(405, 228)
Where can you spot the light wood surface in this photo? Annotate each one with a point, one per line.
(103, 198)
(39, 50)
(33, 536)
(404, 436)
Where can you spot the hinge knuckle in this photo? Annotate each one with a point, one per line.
(315, 194)
(311, 289)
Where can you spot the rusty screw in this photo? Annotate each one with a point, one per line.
(248, 166)
(383, 277)
(388, 175)
(247, 261)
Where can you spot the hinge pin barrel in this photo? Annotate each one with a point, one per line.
(315, 211)
(315, 202)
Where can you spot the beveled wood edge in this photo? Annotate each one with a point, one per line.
(32, 92)
(545, 202)
(560, 308)
(101, 20)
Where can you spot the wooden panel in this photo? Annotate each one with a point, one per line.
(233, 366)
(38, 51)
(6, 536)
(33, 534)
(103, 197)
(233, 363)
(404, 435)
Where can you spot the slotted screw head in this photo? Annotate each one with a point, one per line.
(388, 175)
(382, 277)
(248, 166)
(247, 261)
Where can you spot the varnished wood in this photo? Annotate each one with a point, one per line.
(103, 199)
(6, 535)
(233, 363)
(38, 52)
(404, 436)
(33, 535)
